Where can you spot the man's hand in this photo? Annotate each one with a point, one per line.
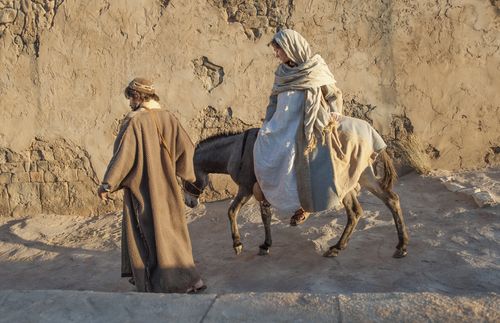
(103, 192)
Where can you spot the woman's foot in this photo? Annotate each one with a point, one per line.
(299, 217)
(197, 287)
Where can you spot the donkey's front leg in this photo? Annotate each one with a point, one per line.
(240, 199)
(265, 213)
(354, 213)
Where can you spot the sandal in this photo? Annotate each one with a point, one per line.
(299, 217)
(198, 287)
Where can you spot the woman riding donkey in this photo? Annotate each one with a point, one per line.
(298, 147)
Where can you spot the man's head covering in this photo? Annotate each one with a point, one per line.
(294, 45)
(142, 85)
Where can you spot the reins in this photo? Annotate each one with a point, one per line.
(196, 187)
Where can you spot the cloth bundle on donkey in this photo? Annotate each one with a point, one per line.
(347, 148)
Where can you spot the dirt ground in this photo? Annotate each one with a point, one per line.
(454, 247)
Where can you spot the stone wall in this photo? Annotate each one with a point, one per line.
(257, 17)
(49, 177)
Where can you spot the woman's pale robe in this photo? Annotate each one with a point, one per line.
(156, 248)
(324, 169)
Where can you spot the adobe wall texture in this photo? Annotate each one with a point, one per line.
(426, 74)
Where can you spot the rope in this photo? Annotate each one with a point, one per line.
(163, 143)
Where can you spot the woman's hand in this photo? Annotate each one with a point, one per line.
(335, 117)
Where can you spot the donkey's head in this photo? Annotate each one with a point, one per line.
(212, 155)
(192, 191)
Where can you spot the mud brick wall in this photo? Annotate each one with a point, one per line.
(26, 19)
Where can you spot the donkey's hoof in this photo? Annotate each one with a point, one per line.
(263, 251)
(332, 252)
(238, 249)
(400, 253)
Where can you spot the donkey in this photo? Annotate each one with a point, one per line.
(233, 154)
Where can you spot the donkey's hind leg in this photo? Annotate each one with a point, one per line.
(391, 200)
(241, 198)
(354, 213)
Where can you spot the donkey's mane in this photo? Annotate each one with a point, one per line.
(218, 136)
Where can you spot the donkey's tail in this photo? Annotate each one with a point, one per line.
(390, 174)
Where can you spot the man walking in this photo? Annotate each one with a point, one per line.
(150, 150)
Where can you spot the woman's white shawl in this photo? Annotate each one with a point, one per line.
(309, 74)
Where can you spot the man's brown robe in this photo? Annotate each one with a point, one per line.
(156, 247)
